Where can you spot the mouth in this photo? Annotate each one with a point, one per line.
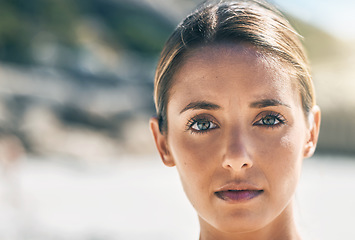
(238, 195)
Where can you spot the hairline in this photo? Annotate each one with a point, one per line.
(270, 58)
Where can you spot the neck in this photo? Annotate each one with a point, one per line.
(281, 228)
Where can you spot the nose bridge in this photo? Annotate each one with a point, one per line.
(236, 154)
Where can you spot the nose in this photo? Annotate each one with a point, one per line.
(236, 156)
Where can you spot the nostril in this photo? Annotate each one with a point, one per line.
(245, 165)
(237, 164)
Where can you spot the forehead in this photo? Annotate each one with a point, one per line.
(230, 70)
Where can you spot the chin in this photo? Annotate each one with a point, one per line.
(238, 227)
(239, 223)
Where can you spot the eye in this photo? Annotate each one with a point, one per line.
(270, 119)
(201, 124)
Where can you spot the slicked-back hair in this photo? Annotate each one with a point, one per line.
(253, 22)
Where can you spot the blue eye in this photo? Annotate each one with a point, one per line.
(203, 125)
(271, 120)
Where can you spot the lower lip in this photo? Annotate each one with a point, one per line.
(238, 196)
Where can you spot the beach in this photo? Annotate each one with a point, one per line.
(137, 197)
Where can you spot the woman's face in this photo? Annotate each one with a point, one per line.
(237, 135)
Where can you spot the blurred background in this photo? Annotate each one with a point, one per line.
(76, 157)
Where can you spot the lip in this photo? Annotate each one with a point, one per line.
(238, 192)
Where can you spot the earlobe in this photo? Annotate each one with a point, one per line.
(161, 143)
(314, 125)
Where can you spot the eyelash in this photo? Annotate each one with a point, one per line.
(200, 119)
(277, 117)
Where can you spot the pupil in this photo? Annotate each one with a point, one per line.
(203, 125)
(269, 121)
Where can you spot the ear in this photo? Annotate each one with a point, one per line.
(313, 132)
(161, 143)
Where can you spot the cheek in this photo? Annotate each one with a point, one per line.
(281, 161)
(196, 160)
(282, 145)
(195, 152)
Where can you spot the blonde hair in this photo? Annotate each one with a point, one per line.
(245, 21)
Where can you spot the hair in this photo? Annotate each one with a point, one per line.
(254, 22)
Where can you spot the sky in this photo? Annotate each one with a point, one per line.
(334, 16)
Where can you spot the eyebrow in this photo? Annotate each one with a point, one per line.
(200, 105)
(268, 103)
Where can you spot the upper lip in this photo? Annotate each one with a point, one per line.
(239, 186)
